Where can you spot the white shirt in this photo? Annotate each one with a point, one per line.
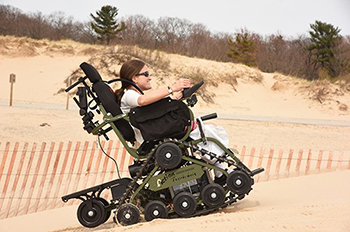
(129, 101)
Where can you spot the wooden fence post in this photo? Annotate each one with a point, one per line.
(329, 163)
(122, 162)
(340, 161)
(268, 167)
(12, 81)
(243, 153)
(290, 157)
(297, 167)
(261, 156)
(278, 165)
(252, 152)
(319, 160)
(3, 160)
(308, 162)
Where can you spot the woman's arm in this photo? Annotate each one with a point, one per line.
(157, 94)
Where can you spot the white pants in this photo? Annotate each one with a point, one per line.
(218, 133)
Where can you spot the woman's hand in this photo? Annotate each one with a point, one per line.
(157, 94)
(181, 84)
(177, 95)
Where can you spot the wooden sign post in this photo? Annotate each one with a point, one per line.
(12, 80)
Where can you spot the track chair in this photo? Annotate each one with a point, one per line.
(168, 179)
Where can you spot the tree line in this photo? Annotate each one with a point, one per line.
(322, 53)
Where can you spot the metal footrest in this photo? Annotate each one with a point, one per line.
(90, 192)
(257, 171)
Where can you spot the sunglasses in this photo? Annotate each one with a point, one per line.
(146, 74)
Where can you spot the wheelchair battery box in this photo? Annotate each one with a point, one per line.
(192, 186)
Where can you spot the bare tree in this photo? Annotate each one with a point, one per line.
(85, 33)
(273, 53)
(139, 30)
(63, 26)
(11, 20)
(38, 27)
(171, 33)
(197, 39)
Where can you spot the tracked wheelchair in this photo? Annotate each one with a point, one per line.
(168, 179)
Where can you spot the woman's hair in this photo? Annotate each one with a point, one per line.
(128, 70)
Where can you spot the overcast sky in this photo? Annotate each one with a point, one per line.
(286, 17)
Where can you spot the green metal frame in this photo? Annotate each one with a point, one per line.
(108, 120)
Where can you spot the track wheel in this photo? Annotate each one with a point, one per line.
(155, 209)
(185, 204)
(107, 213)
(239, 182)
(213, 195)
(168, 155)
(128, 214)
(91, 213)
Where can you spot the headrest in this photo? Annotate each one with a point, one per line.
(90, 72)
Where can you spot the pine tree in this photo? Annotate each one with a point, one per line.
(243, 49)
(105, 23)
(324, 46)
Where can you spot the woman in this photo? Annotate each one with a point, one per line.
(129, 97)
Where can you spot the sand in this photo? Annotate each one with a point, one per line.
(277, 205)
(257, 109)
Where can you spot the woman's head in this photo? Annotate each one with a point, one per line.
(135, 71)
(131, 68)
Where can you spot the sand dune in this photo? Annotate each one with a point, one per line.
(241, 91)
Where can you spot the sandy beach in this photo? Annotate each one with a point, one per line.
(278, 205)
(262, 110)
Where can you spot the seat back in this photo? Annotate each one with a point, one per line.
(108, 99)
